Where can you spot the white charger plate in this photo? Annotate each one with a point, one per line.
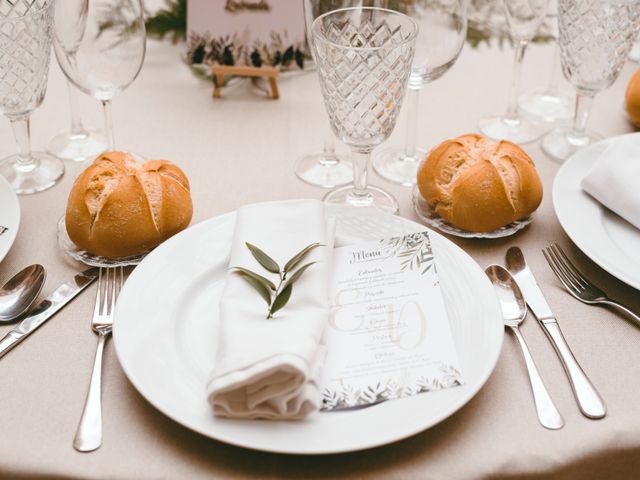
(606, 238)
(9, 216)
(165, 338)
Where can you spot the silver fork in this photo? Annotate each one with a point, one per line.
(3, 229)
(577, 284)
(89, 434)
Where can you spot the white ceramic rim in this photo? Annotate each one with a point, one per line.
(581, 216)
(9, 216)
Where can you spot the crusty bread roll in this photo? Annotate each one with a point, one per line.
(479, 185)
(632, 99)
(118, 208)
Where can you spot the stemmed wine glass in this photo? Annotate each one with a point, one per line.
(25, 50)
(552, 104)
(595, 39)
(100, 45)
(325, 168)
(442, 31)
(78, 143)
(364, 58)
(524, 17)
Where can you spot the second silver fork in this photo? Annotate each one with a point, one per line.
(89, 434)
(577, 284)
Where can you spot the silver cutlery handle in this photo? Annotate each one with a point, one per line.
(89, 434)
(589, 400)
(547, 412)
(625, 309)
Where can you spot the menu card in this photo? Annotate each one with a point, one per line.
(388, 335)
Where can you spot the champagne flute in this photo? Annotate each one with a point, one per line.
(524, 17)
(595, 39)
(325, 168)
(25, 51)
(100, 46)
(442, 32)
(364, 58)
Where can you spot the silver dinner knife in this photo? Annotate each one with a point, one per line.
(589, 400)
(47, 308)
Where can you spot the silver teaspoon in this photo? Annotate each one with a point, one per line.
(19, 293)
(514, 310)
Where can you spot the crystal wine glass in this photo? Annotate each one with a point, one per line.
(325, 168)
(595, 39)
(442, 32)
(524, 18)
(364, 58)
(25, 50)
(100, 48)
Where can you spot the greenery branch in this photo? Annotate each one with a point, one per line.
(276, 297)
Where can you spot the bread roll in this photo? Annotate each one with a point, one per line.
(632, 99)
(479, 185)
(118, 208)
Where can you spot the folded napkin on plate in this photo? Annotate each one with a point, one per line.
(615, 178)
(269, 368)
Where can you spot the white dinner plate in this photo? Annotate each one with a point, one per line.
(606, 238)
(9, 216)
(165, 338)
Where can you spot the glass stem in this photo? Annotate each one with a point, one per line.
(22, 135)
(76, 121)
(578, 133)
(412, 101)
(329, 156)
(108, 124)
(361, 160)
(512, 109)
(553, 81)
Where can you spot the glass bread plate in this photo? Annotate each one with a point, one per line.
(430, 217)
(76, 253)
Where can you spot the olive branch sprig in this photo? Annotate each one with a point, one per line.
(276, 297)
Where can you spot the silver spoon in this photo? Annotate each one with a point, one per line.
(19, 293)
(514, 310)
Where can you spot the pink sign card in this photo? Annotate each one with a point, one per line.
(250, 21)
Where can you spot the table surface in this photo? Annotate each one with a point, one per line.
(241, 149)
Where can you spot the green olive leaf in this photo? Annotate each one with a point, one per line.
(281, 300)
(297, 274)
(291, 264)
(263, 290)
(265, 281)
(263, 259)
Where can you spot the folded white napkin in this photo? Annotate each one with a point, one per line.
(269, 368)
(615, 179)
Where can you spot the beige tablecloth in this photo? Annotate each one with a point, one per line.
(241, 149)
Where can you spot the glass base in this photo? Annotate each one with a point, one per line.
(44, 173)
(520, 130)
(375, 199)
(78, 147)
(320, 171)
(548, 105)
(559, 144)
(395, 165)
